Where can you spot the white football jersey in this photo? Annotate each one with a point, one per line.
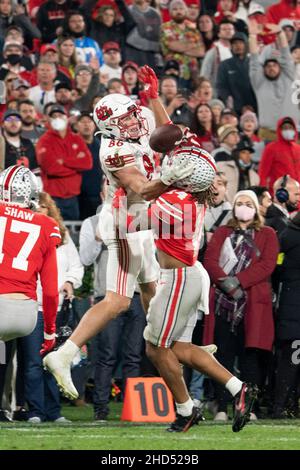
(118, 154)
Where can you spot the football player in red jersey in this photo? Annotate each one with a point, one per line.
(28, 243)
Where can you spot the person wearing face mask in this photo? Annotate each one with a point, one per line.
(14, 60)
(62, 156)
(281, 157)
(240, 259)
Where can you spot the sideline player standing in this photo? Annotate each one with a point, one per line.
(28, 243)
(127, 161)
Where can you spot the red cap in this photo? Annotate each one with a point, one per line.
(110, 46)
(47, 47)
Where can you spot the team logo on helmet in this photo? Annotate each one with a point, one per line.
(103, 113)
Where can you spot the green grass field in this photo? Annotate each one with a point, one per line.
(85, 434)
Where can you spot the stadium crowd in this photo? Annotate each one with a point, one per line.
(230, 71)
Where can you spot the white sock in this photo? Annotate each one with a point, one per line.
(234, 385)
(69, 350)
(186, 408)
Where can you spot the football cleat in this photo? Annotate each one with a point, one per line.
(183, 423)
(243, 404)
(60, 369)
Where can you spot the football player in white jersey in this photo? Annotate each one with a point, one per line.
(127, 161)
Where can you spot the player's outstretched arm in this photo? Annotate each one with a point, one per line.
(148, 77)
(132, 178)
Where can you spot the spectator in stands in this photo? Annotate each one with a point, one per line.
(204, 125)
(63, 95)
(288, 323)
(217, 106)
(228, 138)
(130, 79)
(115, 86)
(286, 201)
(127, 329)
(44, 92)
(181, 42)
(112, 59)
(272, 83)
(63, 156)
(283, 9)
(193, 10)
(14, 61)
(264, 199)
(142, 42)
(238, 171)
(229, 117)
(20, 89)
(218, 214)
(30, 127)
(241, 318)
(249, 126)
(208, 30)
(281, 157)
(67, 56)
(18, 151)
(272, 50)
(41, 391)
(51, 16)
(220, 51)
(87, 82)
(203, 93)
(15, 14)
(233, 81)
(175, 103)
(295, 51)
(89, 198)
(86, 47)
(105, 24)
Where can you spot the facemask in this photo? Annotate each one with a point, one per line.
(13, 59)
(288, 134)
(244, 213)
(59, 124)
(244, 165)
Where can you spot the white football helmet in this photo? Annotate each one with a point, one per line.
(18, 185)
(205, 169)
(109, 111)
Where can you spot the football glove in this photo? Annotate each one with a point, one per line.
(178, 170)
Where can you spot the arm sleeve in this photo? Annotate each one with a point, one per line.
(74, 272)
(89, 247)
(265, 166)
(255, 71)
(212, 255)
(287, 63)
(48, 276)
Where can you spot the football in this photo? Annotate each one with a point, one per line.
(165, 138)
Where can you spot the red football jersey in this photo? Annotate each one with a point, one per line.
(28, 243)
(178, 221)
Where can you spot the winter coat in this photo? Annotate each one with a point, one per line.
(283, 9)
(62, 160)
(255, 280)
(233, 80)
(232, 174)
(288, 315)
(281, 157)
(276, 219)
